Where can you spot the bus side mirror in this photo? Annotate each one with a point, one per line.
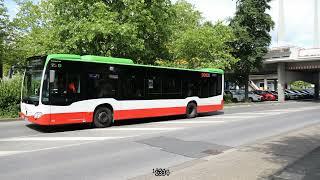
(51, 76)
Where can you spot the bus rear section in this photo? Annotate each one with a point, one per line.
(100, 90)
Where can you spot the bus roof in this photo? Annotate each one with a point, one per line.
(112, 60)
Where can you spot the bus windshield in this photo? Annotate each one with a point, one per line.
(32, 81)
(31, 86)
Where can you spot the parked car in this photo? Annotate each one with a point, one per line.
(267, 96)
(254, 97)
(287, 95)
(239, 96)
(303, 94)
(310, 91)
(307, 94)
(300, 94)
(275, 93)
(291, 95)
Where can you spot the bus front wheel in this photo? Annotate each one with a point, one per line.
(103, 117)
(191, 110)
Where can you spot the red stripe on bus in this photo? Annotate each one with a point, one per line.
(81, 117)
(144, 113)
(210, 108)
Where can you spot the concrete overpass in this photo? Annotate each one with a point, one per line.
(284, 65)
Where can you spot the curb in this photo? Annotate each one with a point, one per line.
(232, 105)
(10, 120)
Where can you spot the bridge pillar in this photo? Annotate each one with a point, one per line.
(281, 81)
(265, 80)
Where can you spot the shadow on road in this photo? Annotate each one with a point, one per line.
(77, 127)
(287, 151)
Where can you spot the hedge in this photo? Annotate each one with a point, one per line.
(10, 97)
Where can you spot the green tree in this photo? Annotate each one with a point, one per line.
(204, 46)
(136, 29)
(185, 17)
(251, 26)
(299, 85)
(145, 31)
(3, 34)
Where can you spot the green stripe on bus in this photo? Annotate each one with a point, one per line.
(112, 60)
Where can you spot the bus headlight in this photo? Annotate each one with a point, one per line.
(37, 115)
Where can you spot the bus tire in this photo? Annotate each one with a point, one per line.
(191, 110)
(103, 117)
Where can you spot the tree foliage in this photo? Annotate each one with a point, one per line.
(195, 44)
(134, 29)
(300, 85)
(185, 17)
(204, 46)
(251, 25)
(3, 33)
(147, 31)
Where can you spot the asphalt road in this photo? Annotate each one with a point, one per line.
(135, 147)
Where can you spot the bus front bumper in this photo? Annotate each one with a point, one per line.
(42, 120)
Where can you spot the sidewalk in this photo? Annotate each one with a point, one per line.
(261, 160)
(248, 104)
(306, 168)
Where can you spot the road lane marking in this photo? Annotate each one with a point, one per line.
(190, 122)
(258, 113)
(139, 129)
(6, 153)
(229, 117)
(225, 116)
(62, 138)
(283, 110)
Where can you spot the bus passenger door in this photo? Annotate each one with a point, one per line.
(65, 92)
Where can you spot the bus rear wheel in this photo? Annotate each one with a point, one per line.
(103, 117)
(191, 110)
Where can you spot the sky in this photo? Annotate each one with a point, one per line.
(298, 17)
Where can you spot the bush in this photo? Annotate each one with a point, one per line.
(227, 98)
(10, 97)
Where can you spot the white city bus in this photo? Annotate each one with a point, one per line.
(66, 89)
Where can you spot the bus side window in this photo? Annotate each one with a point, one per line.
(91, 81)
(190, 88)
(204, 84)
(154, 87)
(73, 83)
(105, 86)
(171, 86)
(219, 85)
(213, 87)
(131, 83)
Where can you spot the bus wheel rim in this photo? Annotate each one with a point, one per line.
(190, 110)
(103, 117)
